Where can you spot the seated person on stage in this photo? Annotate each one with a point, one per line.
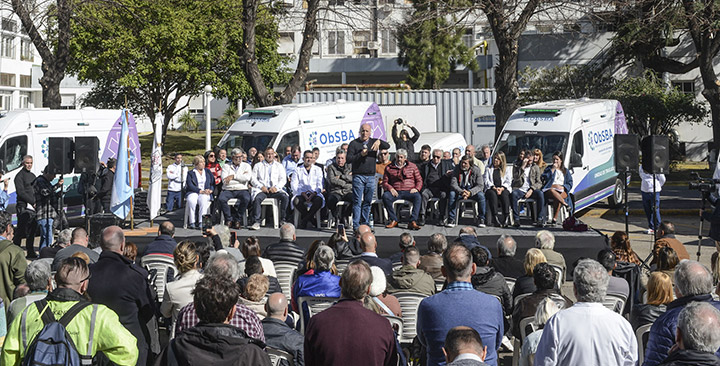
(339, 176)
(200, 185)
(436, 183)
(402, 181)
(498, 184)
(268, 180)
(526, 184)
(467, 183)
(307, 186)
(235, 178)
(557, 183)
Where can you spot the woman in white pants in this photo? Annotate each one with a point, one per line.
(200, 183)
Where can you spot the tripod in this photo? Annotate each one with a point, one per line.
(700, 230)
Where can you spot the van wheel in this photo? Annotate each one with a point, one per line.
(616, 199)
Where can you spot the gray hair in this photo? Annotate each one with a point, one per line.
(468, 230)
(699, 326)
(224, 233)
(64, 236)
(37, 275)
(406, 240)
(402, 152)
(692, 278)
(324, 258)
(591, 281)
(287, 231)
(237, 151)
(507, 246)
(340, 151)
(437, 243)
(222, 264)
(440, 150)
(544, 240)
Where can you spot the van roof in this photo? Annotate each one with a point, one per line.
(55, 120)
(560, 115)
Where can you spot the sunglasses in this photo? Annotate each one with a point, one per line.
(437, 157)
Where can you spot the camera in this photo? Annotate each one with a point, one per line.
(206, 222)
(702, 184)
(399, 121)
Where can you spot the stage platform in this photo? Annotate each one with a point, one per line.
(572, 245)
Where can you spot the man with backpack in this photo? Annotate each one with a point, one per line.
(64, 328)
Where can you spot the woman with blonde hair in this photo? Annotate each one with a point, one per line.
(659, 294)
(538, 159)
(178, 293)
(498, 185)
(526, 284)
(620, 244)
(200, 185)
(253, 294)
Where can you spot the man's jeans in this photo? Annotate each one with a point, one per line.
(536, 195)
(173, 200)
(363, 187)
(647, 198)
(415, 198)
(454, 197)
(46, 232)
(257, 204)
(243, 200)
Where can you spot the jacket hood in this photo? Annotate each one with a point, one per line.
(407, 276)
(217, 336)
(483, 275)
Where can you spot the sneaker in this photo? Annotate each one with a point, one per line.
(481, 223)
(450, 224)
(650, 231)
(255, 226)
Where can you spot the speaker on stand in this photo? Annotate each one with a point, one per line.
(626, 161)
(655, 160)
(87, 163)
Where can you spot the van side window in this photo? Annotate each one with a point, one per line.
(577, 145)
(12, 152)
(290, 139)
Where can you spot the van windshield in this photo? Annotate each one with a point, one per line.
(511, 142)
(246, 140)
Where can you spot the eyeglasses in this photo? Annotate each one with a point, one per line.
(211, 156)
(384, 153)
(437, 157)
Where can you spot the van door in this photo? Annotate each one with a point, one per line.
(593, 172)
(12, 151)
(290, 138)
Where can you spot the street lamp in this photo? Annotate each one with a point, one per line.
(208, 89)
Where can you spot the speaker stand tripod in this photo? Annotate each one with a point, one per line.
(625, 198)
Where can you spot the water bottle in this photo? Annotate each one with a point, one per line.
(372, 222)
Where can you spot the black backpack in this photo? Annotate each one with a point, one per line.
(53, 345)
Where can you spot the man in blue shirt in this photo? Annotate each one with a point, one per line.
(459, 304)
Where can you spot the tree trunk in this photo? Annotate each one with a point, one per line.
(50, 82)
(712, 95)
(506, 84)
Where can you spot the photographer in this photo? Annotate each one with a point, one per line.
(402, 138)
(46, 202)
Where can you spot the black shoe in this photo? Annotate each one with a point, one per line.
(516, 224)
(421, 221)
(481, 222)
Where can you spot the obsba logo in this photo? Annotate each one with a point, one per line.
(331, 137)
(597, 138)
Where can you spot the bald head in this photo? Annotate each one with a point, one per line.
(368, 242)
(113, 239)
(277, 306)
(362, 229)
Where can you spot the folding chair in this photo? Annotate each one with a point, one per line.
(409, 303)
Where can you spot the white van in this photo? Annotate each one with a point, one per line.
(583, 131)
(322, 125)
(26, 132)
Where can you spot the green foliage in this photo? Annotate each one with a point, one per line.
(431, 46)
(229, 117)
(563, 82)
(651, 109)
(189, 123)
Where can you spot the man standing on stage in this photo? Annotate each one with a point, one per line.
(176, 173)
(362, 154)
(26, 207)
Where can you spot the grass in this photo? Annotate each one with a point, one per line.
(187, 143)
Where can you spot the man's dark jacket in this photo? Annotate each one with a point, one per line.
(284, 250)
(508, 266)
(383, 263)
(487, 280)
(163, 244)
(24, 188)
(123, 287)
(364, 165)
(444, 182)
(280, 336)
(107, 177)
(686, 357)
(213, 345)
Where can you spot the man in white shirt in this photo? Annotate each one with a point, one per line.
(307, 185)
(646, 190)
(176, 173)
(268, 180)
(235, 177)
(587, 333)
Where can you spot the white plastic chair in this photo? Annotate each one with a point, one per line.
(396, 323)
(341, 264)
(285, 271)
(161, 263)
(517, 298)
(517, 345)
(510, 283)
(296, 218)
(460, 211)
(640, 334)
(398, 204)
(314, 306)
(275, 207)
(614, 302)
(560, 275)
(409, 303)
(277, 356)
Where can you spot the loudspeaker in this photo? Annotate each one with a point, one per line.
(60, 155)
(86, 154)
(98, 222)
(656, 154)
(626, 153)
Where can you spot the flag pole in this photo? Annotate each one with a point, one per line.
(132, 198)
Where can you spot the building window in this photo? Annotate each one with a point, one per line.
(687, 87)
(9, 25)
(361, 40)
(7, 79)
(25, 81)
(67, 101)
(336, 43)
(5, 100)
(467, 38)
(24, 100)
(26, 50)
(286, 43)
(389, 41)
(8, 47)
(544, 28)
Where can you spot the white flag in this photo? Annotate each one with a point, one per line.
(156, 170)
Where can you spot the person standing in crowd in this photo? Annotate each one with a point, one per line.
(236, 177)
(424, 156)
(557, 183)
(339, 176)
(401, 137)
(123, 287)
(107, 179)
(200, 183)
(307, 186)
(268, 181)
(362, 154)
(12, 260)
(176, 173)
(526, 184)
(46, 201)
(466, 183)
(436, 176)
(649, 198)
(4, 197)
(25, 207)
(587, 333)
(498, 184)
(402, 180)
